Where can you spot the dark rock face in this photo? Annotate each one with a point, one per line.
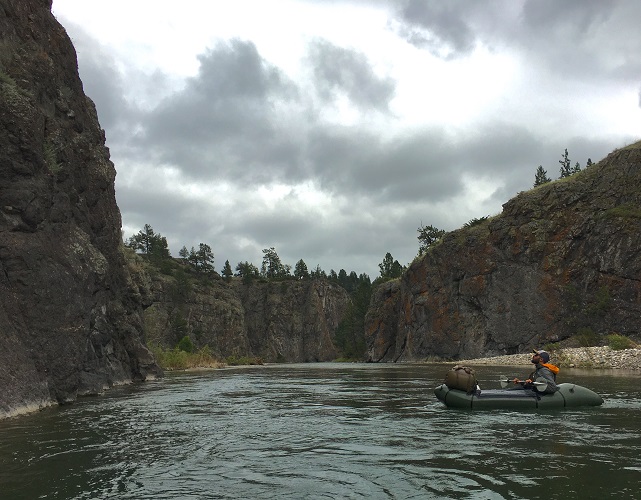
(295, 322)
(561, 259)
(278, 321)
(70, 323)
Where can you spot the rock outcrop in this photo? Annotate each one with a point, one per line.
(561, 260)
(276, 321)
(70, 323)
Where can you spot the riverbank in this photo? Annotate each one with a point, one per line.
(576, 357)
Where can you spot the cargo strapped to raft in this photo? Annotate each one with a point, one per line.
(461, 378)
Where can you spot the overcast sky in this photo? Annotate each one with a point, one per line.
(331, 130)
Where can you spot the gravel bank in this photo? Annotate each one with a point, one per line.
(579, 357)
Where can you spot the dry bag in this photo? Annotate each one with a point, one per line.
(461, 378)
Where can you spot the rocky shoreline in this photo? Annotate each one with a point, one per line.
(576, 357)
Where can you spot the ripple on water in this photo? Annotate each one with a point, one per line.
(326, 432)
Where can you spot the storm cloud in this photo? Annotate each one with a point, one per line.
(334, 133)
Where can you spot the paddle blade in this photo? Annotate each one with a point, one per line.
(541, 384)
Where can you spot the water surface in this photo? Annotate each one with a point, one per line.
(323, 431)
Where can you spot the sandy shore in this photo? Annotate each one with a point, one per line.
(579, 357)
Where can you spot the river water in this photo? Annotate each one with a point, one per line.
(324, 431)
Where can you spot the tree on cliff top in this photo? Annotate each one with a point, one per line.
(541, 176)
(149, 243)
(566, 169)
(390, 268)
(202, 259)
(427, 236)
(227, 272)
(272, 266)
(300, 270)
(247, 271)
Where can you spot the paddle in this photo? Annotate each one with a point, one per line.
(541, 386)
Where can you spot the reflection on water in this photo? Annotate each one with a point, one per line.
(323, 431)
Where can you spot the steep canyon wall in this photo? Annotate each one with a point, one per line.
(276, 321)
(561, 259)
(70, 323)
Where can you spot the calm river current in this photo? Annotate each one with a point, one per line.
(324, 431)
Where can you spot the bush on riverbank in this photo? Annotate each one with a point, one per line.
(243, 360)
(586, 338)
(619, 342)
(178, 359)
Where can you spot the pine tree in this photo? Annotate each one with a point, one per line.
(427, 236)
(272, 267)
(202, 259)
(149, 243)
(390, 268)
(300, 270)
(541, 176)
(247, 271)
(566, 168)
(227, 272)
(318, 273)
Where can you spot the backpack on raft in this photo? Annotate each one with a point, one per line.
(461, 378)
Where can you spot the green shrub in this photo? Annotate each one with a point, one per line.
(619, 342)
(586, 337)
(626, 211)
(243, 360)
(476, 221)
(170, 359)
(601, 304)
(185, 344)
(177, 359)
(51, 158)
(179, 325)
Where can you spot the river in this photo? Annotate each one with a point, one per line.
(323, 431)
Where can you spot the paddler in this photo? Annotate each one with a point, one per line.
(543, 369)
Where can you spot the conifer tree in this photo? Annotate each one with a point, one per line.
(227, 272)
(247, 271)
(427, 236)
(300, 270)
(149, 243)
(390, 268)
(272, 267)
(566, 168)
(541, 176)
(202, 259)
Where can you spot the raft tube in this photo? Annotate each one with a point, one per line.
(568, 395)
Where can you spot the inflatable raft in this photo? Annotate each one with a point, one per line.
(568, 395)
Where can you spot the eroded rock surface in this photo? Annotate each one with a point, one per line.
(70, 323)
(560, 260)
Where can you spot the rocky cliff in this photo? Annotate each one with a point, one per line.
(70, 323)
(561, 260)
(277, 321)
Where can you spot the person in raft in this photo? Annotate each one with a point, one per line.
(544, 369)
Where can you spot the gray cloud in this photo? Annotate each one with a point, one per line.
(226, 121)
(241, 122)
(573, 38)
(339, 71)
(100, 75)
(439, 27)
